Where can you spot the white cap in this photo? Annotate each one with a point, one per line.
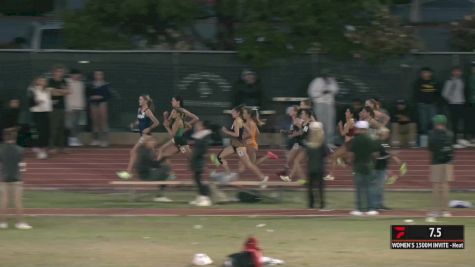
(362, 125)
(316, 125)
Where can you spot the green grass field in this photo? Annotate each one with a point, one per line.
(172, 241)
(145, 241)
(335, 199)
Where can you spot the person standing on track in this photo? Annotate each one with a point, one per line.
(442, 171)
(202, 141)
(363, 149)
(316, 151)
(11, 156)
(237, 146)
(146, 122)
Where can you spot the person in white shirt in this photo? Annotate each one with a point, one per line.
(75, 106)
(41, 106)
(454, 93)
(322, 91)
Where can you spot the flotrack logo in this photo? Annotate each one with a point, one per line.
(211, 89)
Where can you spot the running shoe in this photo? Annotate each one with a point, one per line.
(124, 175)
(403, 169)
(214, 160)
(340, 162)
(271, 155)
(392, 179)
(302, 181)
(285, 178)
(264, 182)
(329, 177)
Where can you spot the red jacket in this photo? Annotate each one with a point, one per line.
(251, 246)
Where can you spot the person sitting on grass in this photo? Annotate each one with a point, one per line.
(11, 156)
(148, 168)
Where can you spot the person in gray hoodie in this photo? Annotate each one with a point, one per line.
(454, 95)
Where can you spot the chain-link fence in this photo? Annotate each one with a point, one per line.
(206, 79)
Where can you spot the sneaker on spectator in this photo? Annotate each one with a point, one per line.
(104, 144)
(356, 213)
(3, 225)
(458, 146)
(203, 201)
(431, 219)
(162, 199)
(325, 209)
(74, 142)
(271, 155)
(23, 226)
(372, 213)
(463, 142)
(95, 143)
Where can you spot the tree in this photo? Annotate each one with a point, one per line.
(112, 24)
(259, 30)
(463, 34)
(265, 29)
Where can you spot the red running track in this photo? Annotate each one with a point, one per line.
(94, 168)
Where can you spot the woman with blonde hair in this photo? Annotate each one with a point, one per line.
(146, 122)
(316, 151)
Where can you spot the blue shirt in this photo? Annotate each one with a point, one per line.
(144, 121)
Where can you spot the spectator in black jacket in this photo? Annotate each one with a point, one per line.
(10, 115)
(427, 95)
(440, 147)
(404, 129)
(248, 90)
(202, 141)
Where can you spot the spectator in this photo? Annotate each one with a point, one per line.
(404, 129)
(11, 156)
(440, 147)
(41, 106)
(75, 106)
(322, 91)
(427, 97)
(57, 118)
(454, 95)
(202, 138)
(248, 90)
(356, 107)
(10, 115)
(363, 149)
(381, 171)
(470, 98)
(317, 151)
(99, 94)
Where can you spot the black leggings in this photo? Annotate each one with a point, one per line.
(42, 125)
(202, 189)
(316, 178)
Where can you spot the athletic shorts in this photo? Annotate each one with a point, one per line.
(442, 173)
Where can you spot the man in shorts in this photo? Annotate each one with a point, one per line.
(11, 156)
(440, 147)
